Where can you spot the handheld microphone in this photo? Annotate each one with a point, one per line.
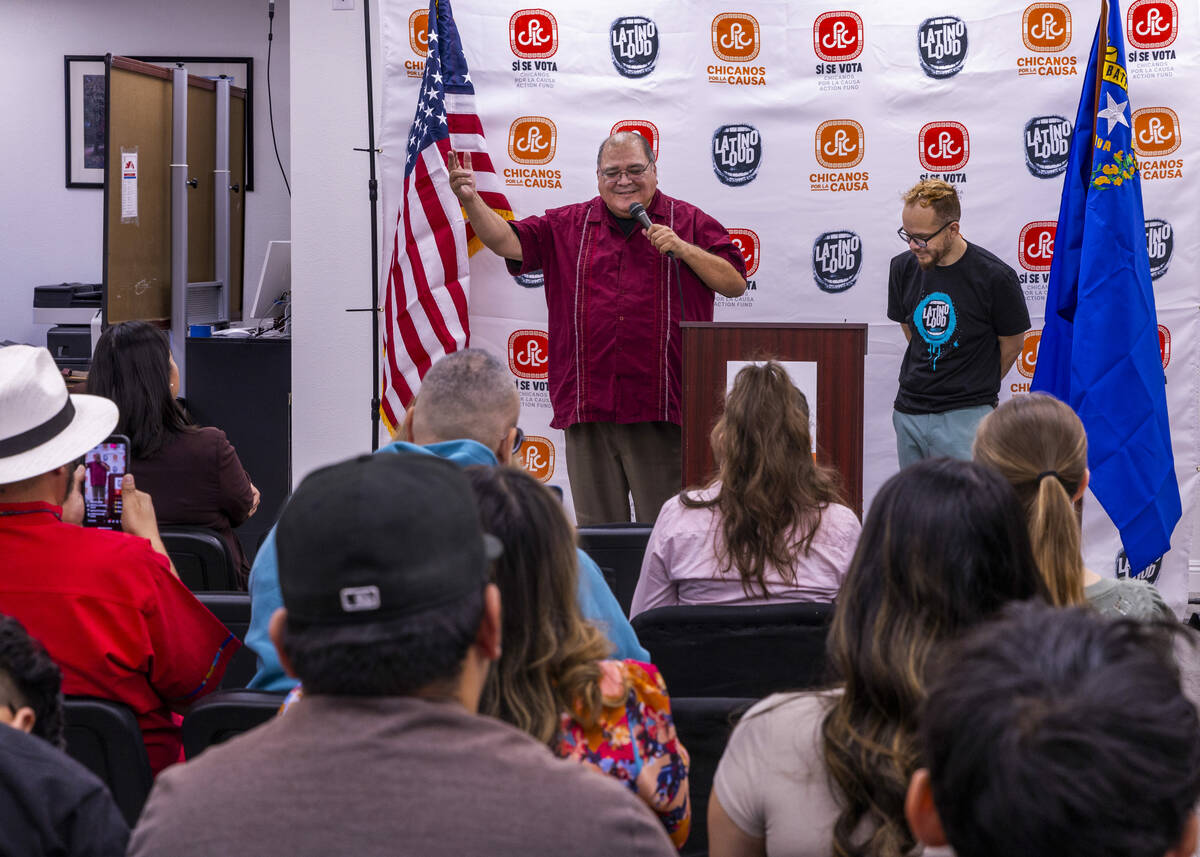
(638, 212)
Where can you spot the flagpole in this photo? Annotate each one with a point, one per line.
(1101, 52)
(373, 195)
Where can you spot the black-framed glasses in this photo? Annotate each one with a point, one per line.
(612, 174)
(518, 440)
(918, 240)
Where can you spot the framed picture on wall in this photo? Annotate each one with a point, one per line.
(240, 71)
(85, 109)
(84, 76)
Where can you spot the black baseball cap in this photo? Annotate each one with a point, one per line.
(380, 537)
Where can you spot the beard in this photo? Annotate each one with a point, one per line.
(934, 257)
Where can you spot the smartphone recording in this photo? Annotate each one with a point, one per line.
(104, 466)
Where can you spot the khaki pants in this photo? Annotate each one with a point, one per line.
(606, 462)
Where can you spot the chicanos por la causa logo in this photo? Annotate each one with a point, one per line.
(1152, 25)
(1047, 146)
(537, 457)
(1160, 246)
(639, 126)
(1036, 245)
(942, 46)
(529, 354)
(838, 36)
(746, 240)
(944, 147)
(418, 40)
(837, 259)
(736, 39)
(737, 152)
(839, 144)
(532, 140)
(1155, 131)
(1027, 359)
(533, 34)
(1046, 31)
(633, 42)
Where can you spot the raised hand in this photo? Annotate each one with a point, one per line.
(462, 177)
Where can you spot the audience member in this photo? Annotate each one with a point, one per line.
(391, 624)
(553, 680)
(769, 527)
(192, 472)
(1039, 445)
(467, 413)
(106, 605)
(50, 805)
(1058, 733)
(943, 547)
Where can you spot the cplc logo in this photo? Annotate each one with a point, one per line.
(839, 143)
(529, 353)
(735, 36)
(1155, 131)
(746, 240)
(537, 457)
(837, 259)
(1046, 27)
(1164, 344)
(1027, 360)
(633, 41)
(737, 153)
(944, 147)
(838, 36)
(1037, 245)
(942, 46)
(533, 34)
(1160, 246)
(1152, 24)
(532, 140)
(1047, 146)
(1150, 573)
(418, 32)
(639, 126)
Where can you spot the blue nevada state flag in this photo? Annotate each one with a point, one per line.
(1099, 351)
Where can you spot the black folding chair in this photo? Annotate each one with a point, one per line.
(201, 557)
(105, 738)
(618, 550)
(233, 609)
(220, 716)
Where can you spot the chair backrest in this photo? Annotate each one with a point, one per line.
(737, 651)
(618, 550)
(201, 557)
(224, 714)
(104, 737)
(233, 609)
(704, 725)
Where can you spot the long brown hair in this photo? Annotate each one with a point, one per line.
(944, 547)
(551, 654)
(1039, 445)
(772, 492)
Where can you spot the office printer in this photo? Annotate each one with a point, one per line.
(71, 308)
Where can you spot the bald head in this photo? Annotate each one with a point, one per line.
(624, 138)
(467, 395)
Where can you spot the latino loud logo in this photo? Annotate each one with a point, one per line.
(1149, 574)
(737, 153)
(532, 280)
(1160, 246)
(1047, 146)
(837, 259)
(942, 46)
(633, 41)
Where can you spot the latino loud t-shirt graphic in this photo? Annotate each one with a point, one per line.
(935, 322)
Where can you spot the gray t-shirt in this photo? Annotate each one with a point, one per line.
(1129, 598)
(390, 776)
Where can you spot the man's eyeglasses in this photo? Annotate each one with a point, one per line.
(612, 174)
(518, 440)
(920, 240)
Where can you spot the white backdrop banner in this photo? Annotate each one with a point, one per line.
(798, 125)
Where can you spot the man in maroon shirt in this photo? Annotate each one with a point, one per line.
(613, 293)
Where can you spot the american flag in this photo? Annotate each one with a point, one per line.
(425, 306)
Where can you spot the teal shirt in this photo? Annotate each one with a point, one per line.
(596, 600)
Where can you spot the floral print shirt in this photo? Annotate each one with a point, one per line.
(634, 740)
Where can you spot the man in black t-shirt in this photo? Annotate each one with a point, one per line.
(968, 314)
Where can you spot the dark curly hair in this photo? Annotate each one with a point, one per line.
(28, 677)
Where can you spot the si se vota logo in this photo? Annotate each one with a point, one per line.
(737, 152)
(633, 42)
(837, 259)
(1047, 146)
(942, 46)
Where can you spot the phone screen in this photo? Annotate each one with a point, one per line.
(103, 467)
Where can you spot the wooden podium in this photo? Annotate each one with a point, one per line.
(837, 349)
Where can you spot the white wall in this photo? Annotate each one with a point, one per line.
(52, 234)
(331, 235)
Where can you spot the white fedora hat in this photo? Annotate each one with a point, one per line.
(41, 427)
